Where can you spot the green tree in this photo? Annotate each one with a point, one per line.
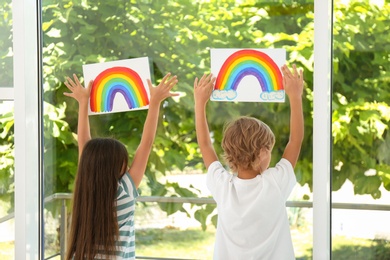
(361, 112)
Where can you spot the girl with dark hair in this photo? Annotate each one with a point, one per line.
(102, 225)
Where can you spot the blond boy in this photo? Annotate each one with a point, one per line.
(252, 218)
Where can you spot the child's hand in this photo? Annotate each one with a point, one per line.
(292, 81)
(78, 92)
(162, 91)
(203, 88)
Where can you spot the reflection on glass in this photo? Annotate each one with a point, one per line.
(7, 226)
(177, 37)
(6, 52)
(361, 165)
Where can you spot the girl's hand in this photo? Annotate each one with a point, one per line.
(162, 91)
(78, 92)
(203, 88)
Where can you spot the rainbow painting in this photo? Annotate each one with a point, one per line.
(248, 75)
(117, 80)
(117, 88)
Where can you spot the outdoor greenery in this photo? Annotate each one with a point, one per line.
(196, 244)
(177, 37)
(361, 113)
(175, 243)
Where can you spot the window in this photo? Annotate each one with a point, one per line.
(177, 37)
(175, 40)
(360, 130)
(7, 227)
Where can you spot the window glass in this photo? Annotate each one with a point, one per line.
(361, 140)
(7, 187)
(6, 54)
(177, 37)
(7, 227)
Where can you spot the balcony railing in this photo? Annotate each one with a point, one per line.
(68, 196)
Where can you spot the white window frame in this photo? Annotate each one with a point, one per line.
(6, 93)
(322, 248)
(27, 106)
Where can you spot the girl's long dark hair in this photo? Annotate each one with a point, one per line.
(94, 226)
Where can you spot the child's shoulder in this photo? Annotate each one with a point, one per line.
(217, 166)
(285, 162)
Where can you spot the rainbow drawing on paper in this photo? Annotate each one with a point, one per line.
(116, 80)
(244, 63)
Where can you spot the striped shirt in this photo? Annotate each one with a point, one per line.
(125, 206)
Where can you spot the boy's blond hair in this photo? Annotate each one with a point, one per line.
(242, 141)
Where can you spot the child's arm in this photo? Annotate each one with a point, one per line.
(202, 92)
(157, 95)
(293, 85)
(81, 94)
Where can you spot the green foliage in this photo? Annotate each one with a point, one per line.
(359, 248)
(7, 186)
(361, 113)
(203, 213)
(177, 37)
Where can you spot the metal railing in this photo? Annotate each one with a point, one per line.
(68, 196)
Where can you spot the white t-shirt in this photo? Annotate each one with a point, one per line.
(252, 217)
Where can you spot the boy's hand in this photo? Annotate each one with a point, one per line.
(162, 91)
(78, 92)
(203, 88)
(202, 91)
(292, 81)
(293, 86)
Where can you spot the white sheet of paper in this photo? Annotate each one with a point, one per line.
(248, 88)
(123, 80)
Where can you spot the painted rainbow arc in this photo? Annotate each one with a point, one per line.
(249, 63)
(117, 80)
